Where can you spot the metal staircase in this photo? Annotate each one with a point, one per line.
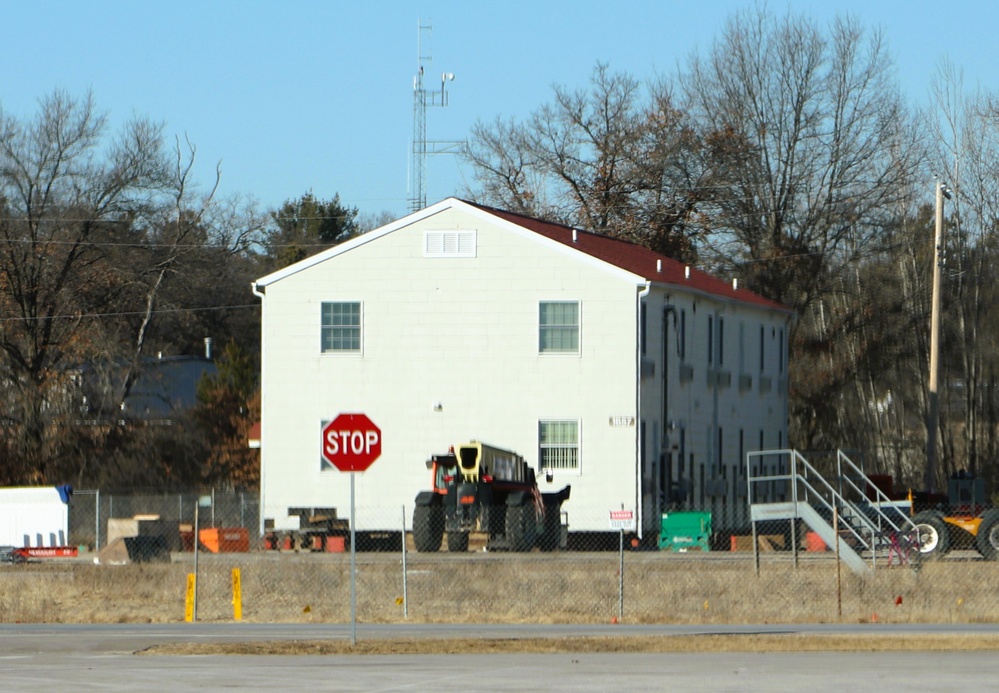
(869, 527)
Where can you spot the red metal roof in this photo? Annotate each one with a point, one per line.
(636, 259)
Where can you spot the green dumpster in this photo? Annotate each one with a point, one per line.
(685, 531)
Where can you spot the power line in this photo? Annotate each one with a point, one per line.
(79, 316)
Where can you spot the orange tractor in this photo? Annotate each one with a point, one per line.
(481, 488)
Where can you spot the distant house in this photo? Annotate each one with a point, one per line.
(165, 387)
(637, 379)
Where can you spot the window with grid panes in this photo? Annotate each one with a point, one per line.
(559, 444)
(341, 327)
(559, 327)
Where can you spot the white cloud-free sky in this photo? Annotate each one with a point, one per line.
(318, 95)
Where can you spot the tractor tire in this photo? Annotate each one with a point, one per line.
(551, 536)
(934, 535)
(428, 528)
(987, 537)
(520, 527)
(457, 542)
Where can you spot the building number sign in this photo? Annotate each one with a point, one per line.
(622, 421)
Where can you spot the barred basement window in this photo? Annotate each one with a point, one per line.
(558, 444)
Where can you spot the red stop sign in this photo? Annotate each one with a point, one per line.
(351, 442)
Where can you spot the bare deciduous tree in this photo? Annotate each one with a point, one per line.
(823, 148)
(821, 154)
(95, 229)
(967, 137)
(65, 196)
(611, 158)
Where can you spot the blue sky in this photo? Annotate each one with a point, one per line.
(308, 95)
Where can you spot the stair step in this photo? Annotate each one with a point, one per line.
(864, 524)
(773, 511)
(786, 511)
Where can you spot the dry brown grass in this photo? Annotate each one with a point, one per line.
(644, 644)
(537, 588)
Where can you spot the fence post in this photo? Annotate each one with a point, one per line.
(756, 549)
(194, 608)
(839, 568)
(620, 581)
(405, 573)
(97, 522)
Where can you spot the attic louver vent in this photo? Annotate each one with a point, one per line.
(449, 244)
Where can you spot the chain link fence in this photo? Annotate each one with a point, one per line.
(706, 565)
(91, 511)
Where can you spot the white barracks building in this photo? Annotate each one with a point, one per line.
(634, 378)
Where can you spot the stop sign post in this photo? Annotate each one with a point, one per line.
(351, 442)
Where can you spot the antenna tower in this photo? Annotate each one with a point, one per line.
(422, 99)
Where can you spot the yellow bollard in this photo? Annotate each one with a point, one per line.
(237, 596)
(189, 601)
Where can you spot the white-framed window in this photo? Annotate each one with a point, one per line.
(449, 244)
(558, 327)
(558, 444)
(341, 327)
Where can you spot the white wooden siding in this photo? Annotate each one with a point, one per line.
(450, 354)
(458, 332)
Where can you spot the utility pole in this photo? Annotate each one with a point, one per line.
(933, 415)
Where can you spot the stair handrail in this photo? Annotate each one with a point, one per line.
(857, 514)
(836, 498)
(879, 495)
(795, 478)
(813, 490)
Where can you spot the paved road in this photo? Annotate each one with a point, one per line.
(88, 657)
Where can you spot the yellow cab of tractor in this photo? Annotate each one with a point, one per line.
(484, 489)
